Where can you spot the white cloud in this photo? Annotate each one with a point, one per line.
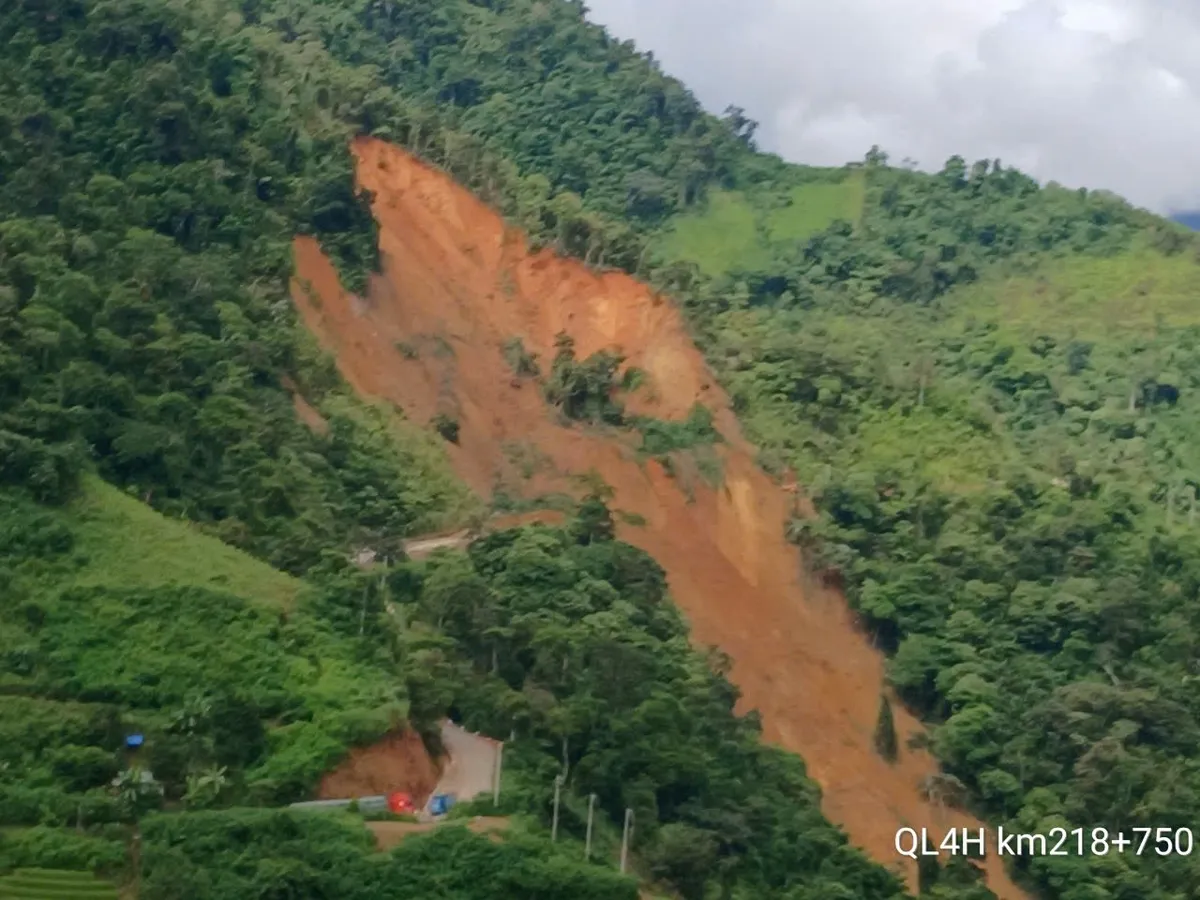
(1096, 93)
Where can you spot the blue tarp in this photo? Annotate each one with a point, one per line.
(134, 740)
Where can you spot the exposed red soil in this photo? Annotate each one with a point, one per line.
(305, 411)
(452, 268)
(399, 762)
(389, 834)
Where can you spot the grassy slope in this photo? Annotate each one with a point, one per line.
(735, 228)
(813, 207)
(120, 542)
(127, 544)
(719, 237)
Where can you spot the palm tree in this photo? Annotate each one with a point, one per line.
(204, 788)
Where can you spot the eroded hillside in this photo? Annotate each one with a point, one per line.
(429, 337)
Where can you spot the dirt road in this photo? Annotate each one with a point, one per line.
(389, 834)
(422, 547)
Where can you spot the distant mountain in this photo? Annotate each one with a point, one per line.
(1190, 219)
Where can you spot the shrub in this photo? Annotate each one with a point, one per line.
(446, 426)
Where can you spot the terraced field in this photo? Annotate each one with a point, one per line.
(55, 884)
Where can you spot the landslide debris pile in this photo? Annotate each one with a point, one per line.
(455, 277)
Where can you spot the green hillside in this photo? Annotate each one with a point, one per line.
(736, 230)
(1129, 295)
(988, 386)
(122, 542)
(176, 637)
(157, 159)
(243, 705)
(990, 391)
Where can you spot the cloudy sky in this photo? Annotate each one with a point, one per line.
(1096, 93)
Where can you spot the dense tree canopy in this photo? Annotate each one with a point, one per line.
(984, 383)
(153, 172)
(567, 638)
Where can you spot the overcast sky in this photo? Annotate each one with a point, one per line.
(1095, 93)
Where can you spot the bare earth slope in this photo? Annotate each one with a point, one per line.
(456, 285)
(399, 762)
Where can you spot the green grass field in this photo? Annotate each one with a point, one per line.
(128, 544)
(735, 229)
(814, 207)
(724, 235)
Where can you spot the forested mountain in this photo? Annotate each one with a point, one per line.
(987, 388)
(986, 385)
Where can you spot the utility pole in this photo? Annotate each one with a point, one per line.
(558, 779)
(496, 774)
(626, 835)
(587, 843)
(362, 619)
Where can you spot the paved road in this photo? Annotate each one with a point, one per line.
(472, 764)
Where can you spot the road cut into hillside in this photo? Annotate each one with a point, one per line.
(429, 337)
